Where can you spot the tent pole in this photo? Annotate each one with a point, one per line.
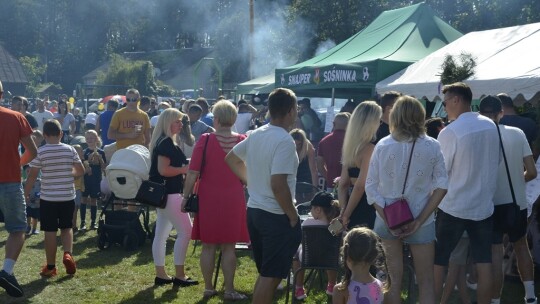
(333, 96)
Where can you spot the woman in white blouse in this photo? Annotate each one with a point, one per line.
(425, 187)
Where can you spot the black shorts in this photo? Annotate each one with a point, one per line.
(32, 212)
(449, 230)
(516, 232)
(56, 215)
(92, 184)
(274, 242)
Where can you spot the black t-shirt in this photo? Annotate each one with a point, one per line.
(31, 120)
(382, 132)
(96, 167)
(166, 147)
(527, 125)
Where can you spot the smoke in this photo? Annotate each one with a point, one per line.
(324, 46)
(276, 42)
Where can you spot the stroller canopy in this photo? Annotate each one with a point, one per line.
(127, 169)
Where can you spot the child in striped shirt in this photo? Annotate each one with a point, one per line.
(59, 165)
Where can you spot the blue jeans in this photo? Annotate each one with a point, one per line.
(13, 206)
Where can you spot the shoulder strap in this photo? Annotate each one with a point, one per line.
(506, 165)
(204, 154)
(408, 167)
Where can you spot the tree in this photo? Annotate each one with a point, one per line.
(134, 74)
(453, 71)
(34, 71)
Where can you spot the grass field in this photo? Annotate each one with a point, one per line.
(118, 276)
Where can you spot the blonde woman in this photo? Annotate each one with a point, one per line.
(307, 168)
(221, 220)
(356, 154)
(168, 166)
(426, 184)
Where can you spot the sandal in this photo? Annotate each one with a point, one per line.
(208, 293)
(234, 296)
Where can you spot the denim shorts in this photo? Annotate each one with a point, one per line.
(13, 206)
(78, 198)
(424, 235)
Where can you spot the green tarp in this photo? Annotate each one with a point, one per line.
(260, 85)
(396, 39)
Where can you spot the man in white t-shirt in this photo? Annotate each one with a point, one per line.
(41, 114)
(518, 155)
(267, 162)
(470, 146)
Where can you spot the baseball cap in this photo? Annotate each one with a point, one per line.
(322, 199)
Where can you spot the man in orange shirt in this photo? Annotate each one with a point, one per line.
(14, 129)
(130, 125)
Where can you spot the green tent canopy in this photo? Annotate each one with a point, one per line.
(259, 85)
(393, 41)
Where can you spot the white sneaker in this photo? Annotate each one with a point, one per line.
(472, 286)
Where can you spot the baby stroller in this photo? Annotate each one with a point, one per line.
(126, 171)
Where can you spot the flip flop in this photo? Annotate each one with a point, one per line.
(208, 293)
(234, 296)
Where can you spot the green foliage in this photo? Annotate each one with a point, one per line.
(134, 74)
(34, 71)
(453, 71)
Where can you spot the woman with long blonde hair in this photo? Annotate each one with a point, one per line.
(169, 164)
(356, 154)
(307, 168)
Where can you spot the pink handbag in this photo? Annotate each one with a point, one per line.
(398, 213)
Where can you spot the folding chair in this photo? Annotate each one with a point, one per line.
(320, 251)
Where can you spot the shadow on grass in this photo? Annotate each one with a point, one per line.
(148, 293)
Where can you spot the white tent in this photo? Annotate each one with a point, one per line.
(507, 62)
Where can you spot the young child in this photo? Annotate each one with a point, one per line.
(94, 158)
(362, 248)
(79, 189)
(59, 165)
(323, 209)
(32, 205)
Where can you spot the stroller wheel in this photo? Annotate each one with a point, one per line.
(103, 241)
(131, 241)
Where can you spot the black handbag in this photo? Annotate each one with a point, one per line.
(192, 203)
(152, 193)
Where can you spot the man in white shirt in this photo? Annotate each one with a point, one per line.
(518, 155)
(470, 146)
(41, 115)
(267, 162)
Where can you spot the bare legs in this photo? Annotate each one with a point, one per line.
(66, 235)
(228, 264)
(264, 290)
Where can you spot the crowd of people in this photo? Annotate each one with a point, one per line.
(460, 178)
